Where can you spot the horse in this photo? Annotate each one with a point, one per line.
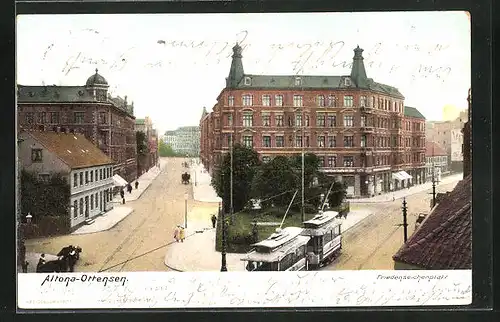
(67, 259)
(55, 266)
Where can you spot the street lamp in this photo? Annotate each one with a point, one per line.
(185, 210)
(223, 267)
(28, 218)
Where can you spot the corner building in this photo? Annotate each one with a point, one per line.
(108, 122)
(360, 129)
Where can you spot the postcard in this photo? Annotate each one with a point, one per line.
(244, 160)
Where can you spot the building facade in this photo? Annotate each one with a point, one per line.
(448, 134)
(467, 135)
(85, 167)
(360, 129)
(185, 140)
(145, 125)
(108, 122)
(436, 161)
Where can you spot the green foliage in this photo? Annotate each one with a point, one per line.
(245, 164)
(142, 143)
(44, 198)
(338, 194)
(165, 150)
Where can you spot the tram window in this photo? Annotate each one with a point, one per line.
(301, 252)
(287, 261)
(336, 231)
(327, 237)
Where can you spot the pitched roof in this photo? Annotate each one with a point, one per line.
(54, 94)
(434, 149)
(413, 112)
(73, 149)
(444, 239)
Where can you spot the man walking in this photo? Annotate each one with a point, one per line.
(122, 194)
(214, 220)
(136, 185)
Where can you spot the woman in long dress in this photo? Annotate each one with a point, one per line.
(176, 233)
(182, 234)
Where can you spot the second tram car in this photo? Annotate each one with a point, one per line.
(284, 250)
(325, 241)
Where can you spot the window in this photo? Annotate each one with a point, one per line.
(81, 178)
(320, 100)
(363, 120)
(348, 141)
(86, 177)
(266, 100)
(332, 142)
(100, 174)
(102, 118)
(298, 81)
(297, 100)
(298, 120)
(321, 141)
(280, 141)
(266, 141)
(229, 139)
(348, 120)
(363, 140)
(362, 101)
(91, 202)
(298, 141)
(332, 101)
(307, 141)
(348, 101)
(81, 206)
(248, 81)
(75, 208)
(307, 120)
(75, 180)
(91, 176)
(278, 100)
(347, 81)
(348, 161)
(279, 120)
(248, 141)
(42, 117)
(332, 121)
(29, 117)
(36, 155)
(266, 120)
(230, 100)
(321, 162)
(247, 100)
(79, 117)
(320, 120)
(54, 117)
(230, 120)
(96, 200)
(332, 161)
(247, 120)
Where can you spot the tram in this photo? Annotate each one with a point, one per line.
(284, 250)
(325, 241)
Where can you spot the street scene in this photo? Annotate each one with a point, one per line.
(273, 162)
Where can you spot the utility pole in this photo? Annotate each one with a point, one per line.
(405, 223)
(231, 182)
(223, 267)
(433, 180)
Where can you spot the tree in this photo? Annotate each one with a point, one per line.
(142, 143)
(274, 178)
(311, 172)
(338, 194)
(245, 163)
(165, 150)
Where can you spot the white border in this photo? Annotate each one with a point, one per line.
(244, 290)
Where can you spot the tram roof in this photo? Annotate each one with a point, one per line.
(277, 254)
(320, 231)
(278, 239)
(321, 219)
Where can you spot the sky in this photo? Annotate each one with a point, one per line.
(172, 65)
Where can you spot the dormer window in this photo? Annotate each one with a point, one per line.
(347, 81)
(298, 81)
(248, 81)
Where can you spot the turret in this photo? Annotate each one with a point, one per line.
(358, 72)
(236, 72)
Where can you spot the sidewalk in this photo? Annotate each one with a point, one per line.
(144, 180)
(201, 182)
(197, 253)
(399, 194)
(105, 221)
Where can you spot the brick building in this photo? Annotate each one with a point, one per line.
(360, 129)
(150, 160)
(108, 122)
(467, 141)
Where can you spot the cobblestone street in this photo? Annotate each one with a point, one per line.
(149, 227)
(372, 243)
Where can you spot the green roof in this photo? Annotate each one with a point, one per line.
(140, 121)
(413, 112)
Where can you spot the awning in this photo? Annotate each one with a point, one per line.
(119, 181)
(397, 176)
(405, 175)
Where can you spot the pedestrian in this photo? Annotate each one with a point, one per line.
(136, 185)
(214, 220)
(122, 194)
(176, 233)
(129, 188)
(393, 198)
(25, 266)
(182, 233)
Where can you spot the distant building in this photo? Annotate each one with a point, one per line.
(360, 129)
(436, 159)
(108, 122)
(184, 140)
(144, 163)
(467, 146)
(85, 167)
(444, 239)
(448, 134)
